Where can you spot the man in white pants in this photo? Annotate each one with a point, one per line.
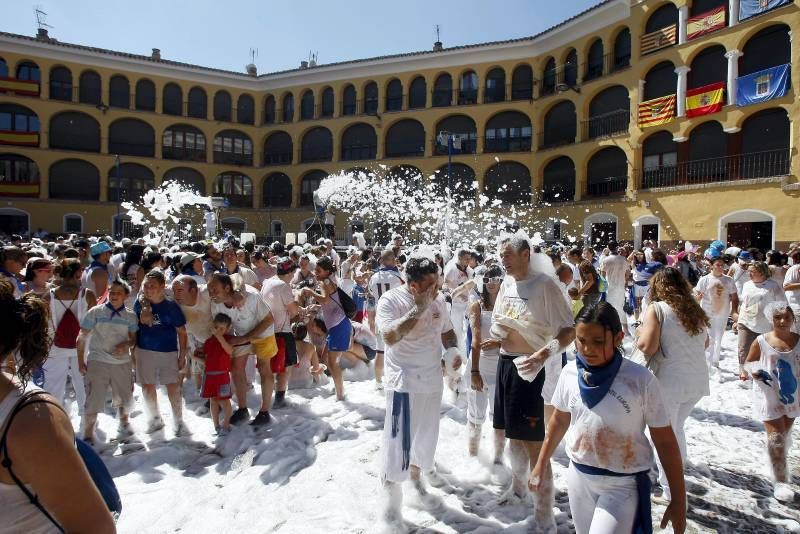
(415, 325)
(614, 269)
(386, 278)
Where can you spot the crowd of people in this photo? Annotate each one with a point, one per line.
(531, 334)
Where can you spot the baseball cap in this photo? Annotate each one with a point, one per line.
(285, 265)
(745, 255)
(99, 247)
(188, 258)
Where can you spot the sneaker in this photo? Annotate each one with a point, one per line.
(279, 403)
(240, 416)
(783, 492)
(124, 431)
(181, 429)
(155, 425)
(203, 408)
(222, 432)
(261, 419)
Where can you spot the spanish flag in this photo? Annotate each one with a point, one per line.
(8, 137)
(704, 100)
(11, 189)
(20, 87)
(656, 111)
(707, 22)
(659, 39)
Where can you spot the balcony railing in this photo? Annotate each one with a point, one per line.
(316, 154)
(123, 148)
(467, 97)
(521, 91)
(358, 152)
(184, 154)
(507, 144)
(607, 187)
(606, 125)
(442, 97)
(606, 65)
(19, 189)
(233, 159)
(277, 157)
(394, 103)
(552, 138)
(468, 146)
(494, 94)
(767, 164)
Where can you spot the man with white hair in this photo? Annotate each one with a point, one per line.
(196, 307)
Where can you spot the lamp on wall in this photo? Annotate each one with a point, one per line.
(562, 87)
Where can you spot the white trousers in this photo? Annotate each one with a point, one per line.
(616, 297)
(60, 364)
(716, 330)
(678, 413)
(601, 504)
(477, 401)
(424, 428)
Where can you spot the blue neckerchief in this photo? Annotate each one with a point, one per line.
(643, 524)
(594, 382)
(96, 263)
(115, 311)
(189, 270)
(386, 268)
(20, 285)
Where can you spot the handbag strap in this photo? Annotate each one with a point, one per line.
(660, 315)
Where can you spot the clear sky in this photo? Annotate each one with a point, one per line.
(217, 33)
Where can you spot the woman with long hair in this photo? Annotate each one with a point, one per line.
(340, 332)
(774, 362)
(590, 290)
(38, 445)
(38, 276)
(483, 375)
(682, 337)
(757, 293)
(68, 306)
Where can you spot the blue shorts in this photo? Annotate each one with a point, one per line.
(339, 336)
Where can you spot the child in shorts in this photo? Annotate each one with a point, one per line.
(217, 376)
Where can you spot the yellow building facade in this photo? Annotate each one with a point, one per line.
(557, 117)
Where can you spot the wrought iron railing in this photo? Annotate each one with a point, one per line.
(607, 187)
(555, 137)
(606, 125)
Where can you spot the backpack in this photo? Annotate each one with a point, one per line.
(66, 335)
(94, 464)
(346, 303)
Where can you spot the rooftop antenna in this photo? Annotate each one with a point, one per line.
(42, 26)
(253, 55)
(251, 68)
(437, 33)
(437, 46)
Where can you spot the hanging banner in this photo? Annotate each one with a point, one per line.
(659, 39)
(705, 23)
(704, 100)
(8, 137)
(751, 8)
(19, 87)
(763, 85)
(11, 189)
(656, 111)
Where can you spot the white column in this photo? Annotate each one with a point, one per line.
(641, 91)
(683, 19)
(681, 96)
(733, 12)
(733, 73)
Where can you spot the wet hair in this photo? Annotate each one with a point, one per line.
(491, 272)
(224, 279)
(26, 329)
(518, 243)
(67, 268)
(299, 331)
(132, 257)
(602, 314)
(33, 264)
(669, 285)
(418, 268)
(117, 281)
(586, 268)
(157, 275)
(223, 318)
(762, 268)
(326, 264)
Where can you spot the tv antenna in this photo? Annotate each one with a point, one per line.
(253, 55)
(437, 34)
(40, 18)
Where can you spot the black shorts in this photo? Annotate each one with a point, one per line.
(291, 347)
(518, 404)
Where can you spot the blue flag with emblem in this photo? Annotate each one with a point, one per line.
(763, 85)
(751, 8)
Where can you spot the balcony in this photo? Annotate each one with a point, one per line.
(553, 137)
(767, 164)
(522, 91)
(358, 152)
(315, 155)
(609, 64)
(507, 144)
(442, 98)
(19, 87)
(183, 154)
(230, 158)
(606, 125)
(19, 189)
(494, 94)
(469, 145)
(467, 97)
(13, 137)
(607, 187)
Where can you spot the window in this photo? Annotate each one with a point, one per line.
(277, 191)
(309, 184)
(288, 108)
(3, 68)
(278, 148)
(74, 131)
(234, 147)
(90, 88)
(495, 86)
(269, 110)
(246, 110)
(417, 93)
(173, 100)
(237, 188)
(119, 92)
(307, 106)
(130, 182)
(61, 84)
(73, 224)
(371, 99)
(509, 131)
(131, 137)
(277, 229)
(468, 91)
(184, 143)
(522, 83)
(222, 106)
(73, 179)
(16, 169)
(327, 102)
(394, 95)
(15, 118)
(349, 102)
(28, 71)
(145, 95)
(198, 103)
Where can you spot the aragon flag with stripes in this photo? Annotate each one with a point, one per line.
(659, 39)
(656, 111)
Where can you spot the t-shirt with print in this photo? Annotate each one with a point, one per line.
(793, 296)
(161, 335)
(278, 295)
(109, 329)
(413, 364)
(611, 435)
(245, 318)
(198, 318)
(716, 301)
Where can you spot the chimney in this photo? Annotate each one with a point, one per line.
(42, 35)
(437, 46)
(156, 55)
(252, 70)
(304, 64)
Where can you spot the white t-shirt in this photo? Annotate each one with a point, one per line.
(278, 295)
(615, 267)
(382, 281)
(249, 277)
(454, 277)
(198, 318)
(714, 302)
(611, 435)
(754, 299)
(740, 277)
(793, 277)
(413, 364)
(252, 312)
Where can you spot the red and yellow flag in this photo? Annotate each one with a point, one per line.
(20, 87)
(704, 100)
(659, 39)
(8, 137)
(11, 189)
(656, 111)
(707, 22)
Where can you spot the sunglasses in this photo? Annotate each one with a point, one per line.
(492, 280)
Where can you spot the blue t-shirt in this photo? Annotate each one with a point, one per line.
(359, 297)
(161, 337)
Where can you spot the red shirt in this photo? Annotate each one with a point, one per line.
(216, 357)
